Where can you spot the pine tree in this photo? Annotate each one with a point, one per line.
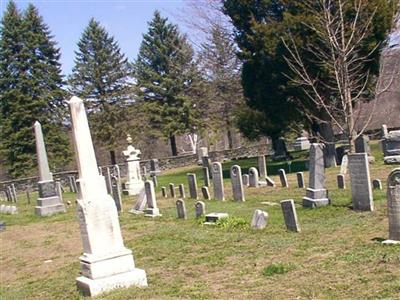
(30, 90)
(101, 77)
(168, 81)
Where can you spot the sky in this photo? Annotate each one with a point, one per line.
(125, 20)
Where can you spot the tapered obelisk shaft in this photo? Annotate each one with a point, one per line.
(44, 170)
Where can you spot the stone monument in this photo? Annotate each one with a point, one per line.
(218, 181)
(393, 196)
(237, 184)
(135, 183)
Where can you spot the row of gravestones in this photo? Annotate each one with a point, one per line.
(9, 194)
(8, 209)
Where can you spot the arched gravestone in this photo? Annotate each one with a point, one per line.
(393, 196)
(253, 178)
(218, 181)
(237, 184)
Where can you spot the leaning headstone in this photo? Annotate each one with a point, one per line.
(245, 179)
(182, 191)
(361, 191)
(200, 209)
(206, 176)
(218, 181)
(192, 185)
(393, 196)
(59, 190)
(164, 192)
(48, 202)
(300, 180)
(14, 191)
(260, 219)
(206, 193)
(213, 218)
(172, 190)
(283, 178)
(316, 194)
(116, 193)
(341, 182)
(290, 215)
(155, 181)
(377, 184)
(237, 184)
(253, 178)
(140, 204)
(181, 209)
(106, 263)
(135, 183)
(152, 209)
(344, 165)
(262, 167)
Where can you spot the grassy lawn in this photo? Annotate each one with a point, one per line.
(336, 256)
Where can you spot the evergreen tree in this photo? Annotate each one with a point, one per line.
(168, 81)
(30, 90)
(101, 77)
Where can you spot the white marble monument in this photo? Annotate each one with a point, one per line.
(135, 183)
(106, 263)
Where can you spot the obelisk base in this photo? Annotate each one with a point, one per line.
(48, 203)
(315, 198)
(133, 188)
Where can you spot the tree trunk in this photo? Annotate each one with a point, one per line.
(326, 131)
(174, 149)
(113, 160)
(230, 137)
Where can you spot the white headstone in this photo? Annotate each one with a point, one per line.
(135, 183)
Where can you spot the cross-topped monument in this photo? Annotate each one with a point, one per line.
(135, 183)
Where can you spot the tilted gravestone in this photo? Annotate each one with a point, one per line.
(200, 209)
(140, 204)
(393, 196)
(260, 219)
(262, 167)
(106, 263)
(152, 209)
(218, 181)
(192, 181)
(290, 215)
(206, 176)
(206, 193)
(237, 185)
(300, 180)
(377, 184)
(181, 209)
(283, 178)
(116, 192)
(172, 190)
(164, 192)
(182, 191)
(253, 178)
(341, 181)
(361, 191)
(245, 179)
(155, 181)
(316, 194)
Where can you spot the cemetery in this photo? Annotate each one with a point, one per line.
(188, 175)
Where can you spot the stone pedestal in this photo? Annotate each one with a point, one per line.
(135, 183)
(391, 147)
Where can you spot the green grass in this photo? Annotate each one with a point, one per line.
(337, 255)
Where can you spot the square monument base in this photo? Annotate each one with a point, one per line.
(314, 203)
(49, 206)
(152, 212)
(394, 159)
(93, 287)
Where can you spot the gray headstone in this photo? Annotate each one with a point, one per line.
(341, 182)
(154, 167)
(300, 180)
(206, 193)
(192, 185)
(283, 178)
(218, 181)
(206, 162)
(140, 204)
(164, 192)
(245, 179)
(9, 194)
(154, 178)
(181, 209)
(206, 176)
(393, 196)
(200, 209)
(237, 185)
(316, 194)
(108, 181)
(172, 190)
(72, 184)
(260, 219)
(152, 209)
(361, 190)
(116, 193)
(362, 144)
(182, 191)
(253, 178)
(377, 184)
(14, 191)
(59, 189)
(290, 215)
(262, 167)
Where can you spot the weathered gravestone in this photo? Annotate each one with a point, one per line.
(206, 193)
(377, 184)
(152, 209)
(201, 152)
(172, 190)
(14, 192)
(72, 184)
(200, 209)
(192, 181)
(206, 162)
(182, 191)
(290, 215)
(393, 196)
(362, 146)
(213, 218)
(260, 219)
(253, 178)
(262, 167)
(344, 165)
(361, 191)
(48, 202)
(106, 263)
(154, 167)
(245, 179)
(206, 176)
(300, 180)
(283, 178)
(181, 209)
(237, 185)
(218, 181)
(154, 179)
(341, 181)
(108, 181)
(140, 204)
(164, 192)
(280, 149)
(135, 183)
(391, 147)
(316, 194)
(59, 189)
(116, 193)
